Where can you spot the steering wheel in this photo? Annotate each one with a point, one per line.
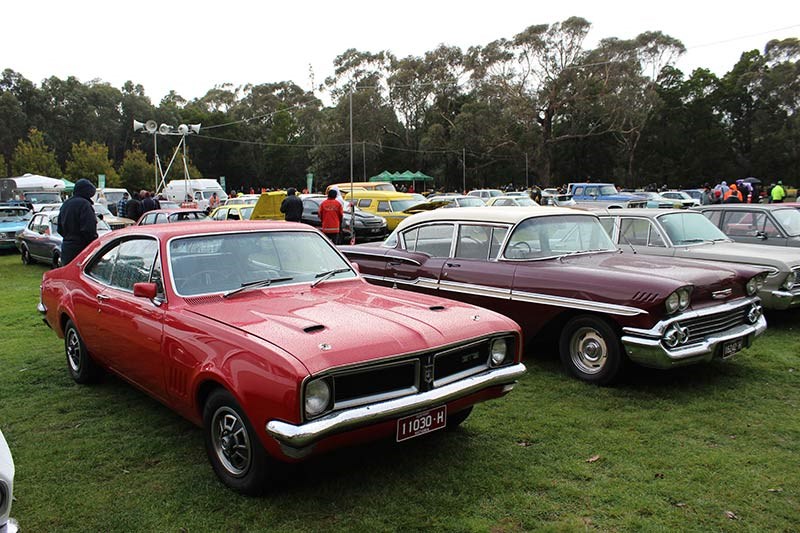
(205, 278)
(520, 249)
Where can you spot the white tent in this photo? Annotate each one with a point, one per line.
(35, 181)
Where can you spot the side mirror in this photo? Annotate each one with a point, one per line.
(761, 235)
(145, 290)
(356, 268)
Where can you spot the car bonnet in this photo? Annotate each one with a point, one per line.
(348, 322)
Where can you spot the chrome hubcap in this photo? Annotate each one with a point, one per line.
(588, 350)
(73, 351)
(231, 441)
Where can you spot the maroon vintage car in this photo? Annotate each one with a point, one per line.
(265, 335)
(555, 271)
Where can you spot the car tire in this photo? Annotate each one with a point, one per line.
(591, 350)
(56, 260)
(456, 419)
(80, 364)
(25, 254)
(233, 447)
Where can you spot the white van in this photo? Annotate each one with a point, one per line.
(33, 189)
(109, 197)
(198, 191)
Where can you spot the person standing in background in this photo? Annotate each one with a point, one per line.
(331, 214)
(292, 206)
(134, 207)
(778, 193)
(122, 205)
(77, 222)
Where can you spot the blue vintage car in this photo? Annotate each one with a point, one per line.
(602, 195)
(13, 219)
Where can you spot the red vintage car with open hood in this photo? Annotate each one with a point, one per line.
(555, 271)
(264, 334)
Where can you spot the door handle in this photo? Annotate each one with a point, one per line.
(454, 265)
(395, 263)
(102, 297)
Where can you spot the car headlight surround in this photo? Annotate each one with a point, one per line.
(498, 351)
(317, 398)
(672, 303)
(755, 284)
(684, 297)
(790, 280)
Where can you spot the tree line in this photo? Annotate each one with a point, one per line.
(540, 107)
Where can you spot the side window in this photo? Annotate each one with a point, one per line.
(498, 236)
(221, 214)
(713, 216)
(102, 269)
(155, 277)
(578, 191)
(770, 228)
(608, 225)
(591, 191)
(473, 242)
(654, 239)
(364, 202)
(233, 214)
(161, 218)
(634, 231)
(740, 224)
(134, 263)
(434, 239)
(384, 206)
(198, 195)
(148, 219)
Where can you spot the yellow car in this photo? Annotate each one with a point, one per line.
(362, 186)
(393, 206)
(232, 212)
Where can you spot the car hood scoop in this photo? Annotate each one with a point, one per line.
(347, 322)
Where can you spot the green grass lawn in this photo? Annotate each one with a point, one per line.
(711, 447)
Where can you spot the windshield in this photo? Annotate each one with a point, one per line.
(468, 202)
(113, 196)
(100, 209)
(14, 213)
(550, 236)
(525, 202)
(183, 216)
(246, 213)
(221, 195)
(789, 219)
(43, 197)
(686, 228)
(402, 205)
(607, 190)
(220, 263)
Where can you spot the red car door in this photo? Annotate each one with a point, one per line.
(130, 328)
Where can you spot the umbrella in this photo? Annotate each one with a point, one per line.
(752, 180)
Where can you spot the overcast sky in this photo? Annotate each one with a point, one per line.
(192, 46)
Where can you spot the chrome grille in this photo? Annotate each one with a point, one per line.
(701, 327)
(413, 374)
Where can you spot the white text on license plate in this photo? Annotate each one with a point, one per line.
(731, 347)
(421, 423)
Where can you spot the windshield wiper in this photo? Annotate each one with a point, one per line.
(258, 284)
(692, 241)
(322, 276)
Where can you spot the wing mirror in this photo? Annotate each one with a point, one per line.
(145, 290)
(761, 235)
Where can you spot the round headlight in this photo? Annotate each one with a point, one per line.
(683, 298)
(752, 286)
(498, 351)
(673, 302)
(790, 280)
(318, 396)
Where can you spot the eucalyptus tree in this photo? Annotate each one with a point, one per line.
(35, 156)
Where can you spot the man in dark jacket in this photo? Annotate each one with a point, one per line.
(77, 222)
(148, 203)
(134, 208)
(292, 206)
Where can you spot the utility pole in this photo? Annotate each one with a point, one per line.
(464, 169)
(526, 171)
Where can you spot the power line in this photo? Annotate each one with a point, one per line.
(742, 37)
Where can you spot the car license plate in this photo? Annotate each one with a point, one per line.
(421, 423)
(731, 347)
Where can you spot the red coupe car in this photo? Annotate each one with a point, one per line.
(556, 272)
(264, 334)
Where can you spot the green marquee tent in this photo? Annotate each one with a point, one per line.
(392, 177)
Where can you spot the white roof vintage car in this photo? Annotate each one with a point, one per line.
(506, 214)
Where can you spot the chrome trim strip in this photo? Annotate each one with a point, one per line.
(574, 303)
(476, 290)
(295, 437)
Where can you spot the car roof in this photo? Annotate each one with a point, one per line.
(502, 214)
(379, 195)
(184, 229)
(650, 212)
(766, 207)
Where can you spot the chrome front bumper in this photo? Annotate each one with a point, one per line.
(646, 348)
(296, 440)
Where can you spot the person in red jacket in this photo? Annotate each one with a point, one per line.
(331, 214)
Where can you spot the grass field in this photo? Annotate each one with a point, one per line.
(712, 447)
